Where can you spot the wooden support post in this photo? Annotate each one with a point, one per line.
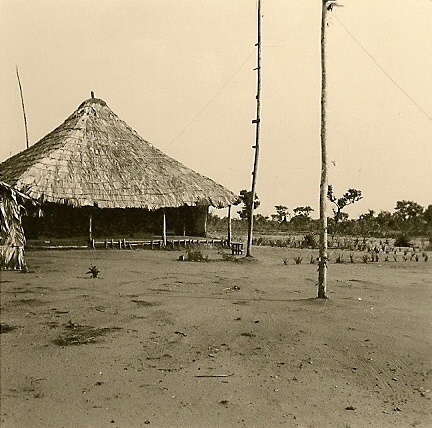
(164, 229)
(229, 234)
(90, 229)
(205, 221)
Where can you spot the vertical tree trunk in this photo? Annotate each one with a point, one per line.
(322, 267)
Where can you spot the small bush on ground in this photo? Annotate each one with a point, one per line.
(339, 258)
(309, 241)
(93, 271)
(81, 334)
(196, 255)
(6, 328)
(402, 240)
(228, 257)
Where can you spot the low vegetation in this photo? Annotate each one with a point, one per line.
(409, 226)
(93, 271)
(196, 255)
(77, 334)
(6, 328)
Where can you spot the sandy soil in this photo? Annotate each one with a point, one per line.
(163, 343)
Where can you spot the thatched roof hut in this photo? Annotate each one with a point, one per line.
(12, 239)
(95, 159)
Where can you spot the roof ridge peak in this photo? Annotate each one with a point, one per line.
(93, 101)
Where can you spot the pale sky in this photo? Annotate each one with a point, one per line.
(180, 72)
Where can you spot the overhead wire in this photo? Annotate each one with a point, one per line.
(209, 101)
(383, 70)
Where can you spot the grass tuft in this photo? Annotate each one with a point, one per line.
(298, 260)
(82, 335)
(6, 328)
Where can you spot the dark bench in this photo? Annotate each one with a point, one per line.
(236, 248)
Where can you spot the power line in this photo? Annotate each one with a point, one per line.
(383, 70)
(211, 99)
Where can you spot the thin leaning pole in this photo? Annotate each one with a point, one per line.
(23, 108)
(256, 121)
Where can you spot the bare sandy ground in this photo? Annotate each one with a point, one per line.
(163, 343)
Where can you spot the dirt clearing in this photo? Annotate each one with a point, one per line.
(159, 342)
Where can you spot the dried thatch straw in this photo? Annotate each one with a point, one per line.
(94, 158)
(12, 239)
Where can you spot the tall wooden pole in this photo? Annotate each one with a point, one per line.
(257, 133)
(322, 264)
(23, 108)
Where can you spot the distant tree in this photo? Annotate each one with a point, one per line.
(409, 216)
(246, 198)
(301, 218)
(303, 211)
(367, 222)
(349, 197)
(370, 215)
(383, 217)
(282, 213)
(407, 210)
(427, 216)
(216, 222)
(385, 221)
(262, 222)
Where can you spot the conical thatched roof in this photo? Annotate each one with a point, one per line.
(94, 158)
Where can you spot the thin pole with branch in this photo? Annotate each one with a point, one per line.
(23, 108)
(256, 121)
